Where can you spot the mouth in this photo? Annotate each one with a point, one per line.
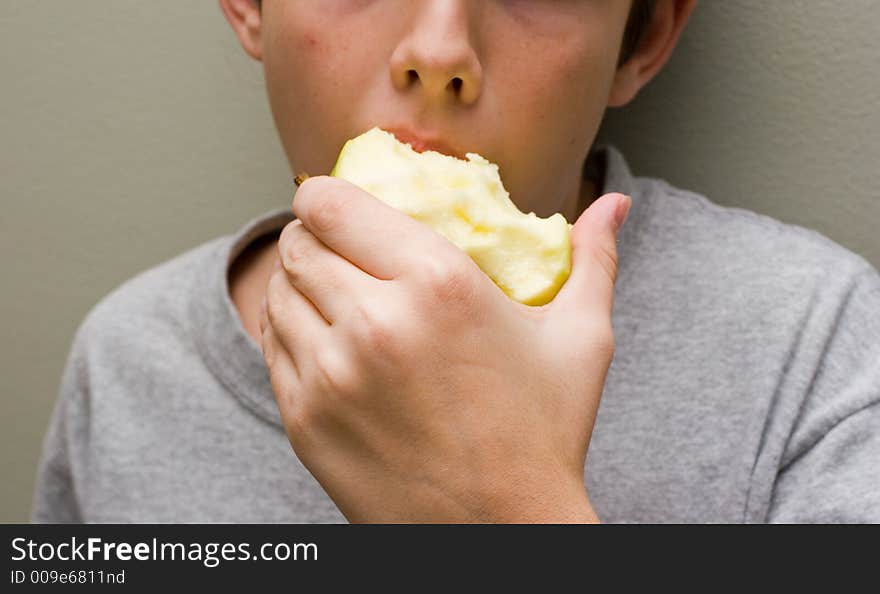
(426, 142)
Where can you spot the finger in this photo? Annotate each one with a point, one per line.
(594, 256)
(324, 277)
(296, 322)
(283, 373)
(365, 230)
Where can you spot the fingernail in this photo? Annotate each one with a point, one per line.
(622, 212)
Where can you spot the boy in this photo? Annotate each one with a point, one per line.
(745, 376)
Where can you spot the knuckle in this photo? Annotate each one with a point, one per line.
(273, 294)
(289, 229)
(435, 272)
(325, 216)
(373, 330)
(332, 374)
(606, 257)
(292, 245)
(289, 233)
(323, 206)
(298, 248)
(448, 283)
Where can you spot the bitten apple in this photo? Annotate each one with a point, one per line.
(528, 257)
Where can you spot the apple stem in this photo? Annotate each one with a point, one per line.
(299, 179)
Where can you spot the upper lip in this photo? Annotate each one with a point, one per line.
(421, 142)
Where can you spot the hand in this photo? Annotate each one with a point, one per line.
(412, 387)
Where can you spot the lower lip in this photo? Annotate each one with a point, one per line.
(420, 147)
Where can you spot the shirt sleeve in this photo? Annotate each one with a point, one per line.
(830, 470)
(55, 498)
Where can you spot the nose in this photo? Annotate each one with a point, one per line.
(437, 55)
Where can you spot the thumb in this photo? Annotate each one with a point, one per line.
(594, 256)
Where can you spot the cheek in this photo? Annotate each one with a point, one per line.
(556, 54)
(296, 56)
(557, 97)
(563, 79)
(308, 81)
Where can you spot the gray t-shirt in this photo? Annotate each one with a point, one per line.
(744, 387)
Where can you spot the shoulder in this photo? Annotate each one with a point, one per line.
(154, 306)
(757, 293)
(737, 248)
(142, 325)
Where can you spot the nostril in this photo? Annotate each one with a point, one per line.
(413, 76)
(456, 84)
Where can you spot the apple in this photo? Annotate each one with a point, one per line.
(526, 256)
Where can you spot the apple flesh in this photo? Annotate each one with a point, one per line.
(527, 257)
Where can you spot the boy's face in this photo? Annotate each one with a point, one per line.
(524, 83)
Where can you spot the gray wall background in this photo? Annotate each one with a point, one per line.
(131, 131)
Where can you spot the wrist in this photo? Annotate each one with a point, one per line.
(555, 503)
